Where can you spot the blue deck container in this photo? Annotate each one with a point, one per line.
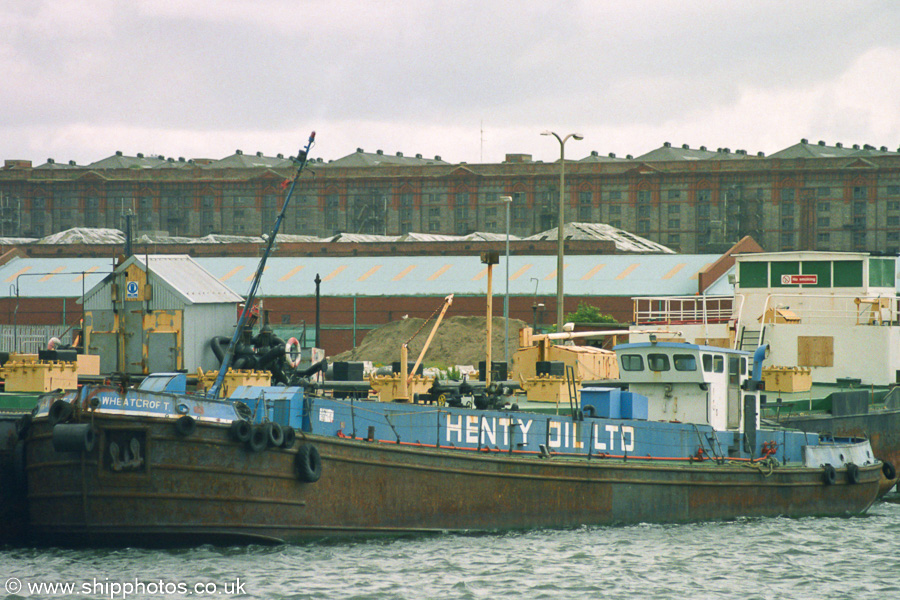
(633, 406)
(603, 402)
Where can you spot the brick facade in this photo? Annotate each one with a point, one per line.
(841, 203)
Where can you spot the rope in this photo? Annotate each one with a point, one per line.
(765, 466)
(424, 323)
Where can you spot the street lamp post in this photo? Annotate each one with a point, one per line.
(507, 200)
(560, 222)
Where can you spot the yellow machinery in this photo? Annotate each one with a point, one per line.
(587, 363)
(400, 387)
(233, 380)
(25, 373)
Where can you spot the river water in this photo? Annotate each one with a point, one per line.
(778, 559)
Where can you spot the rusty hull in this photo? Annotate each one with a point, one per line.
(204, 487)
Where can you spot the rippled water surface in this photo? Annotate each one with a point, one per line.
(778, 559)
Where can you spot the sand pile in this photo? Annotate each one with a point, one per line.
(458, 341)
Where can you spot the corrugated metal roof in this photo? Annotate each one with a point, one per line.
(608, 275)
(85, 235)
(599, 275)
(53, 277)
(187, 277)
(625, 241)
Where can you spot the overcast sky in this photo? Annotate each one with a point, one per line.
(467, 80)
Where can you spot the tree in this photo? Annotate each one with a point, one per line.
(585, 313)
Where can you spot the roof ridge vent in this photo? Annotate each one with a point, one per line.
(821, 142)
(239, 152)
(685, 147)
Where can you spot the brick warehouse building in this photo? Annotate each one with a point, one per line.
(808, 196)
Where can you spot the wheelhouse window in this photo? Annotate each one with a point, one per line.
(707, 363)
(658, 362)
(632, 362)
(685, 362)
(719, 363)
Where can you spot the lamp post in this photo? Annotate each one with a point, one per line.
(507, 200)
(560, 223)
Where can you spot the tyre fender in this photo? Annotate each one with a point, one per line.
(185, 425)
(308, 464)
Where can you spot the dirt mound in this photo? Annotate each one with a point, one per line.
(458, 341)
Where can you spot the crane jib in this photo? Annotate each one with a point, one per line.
(302, 157)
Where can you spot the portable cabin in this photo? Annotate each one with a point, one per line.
(157, 313)
(688, 383)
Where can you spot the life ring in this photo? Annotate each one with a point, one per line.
(888, 470)
(259, 437)
(852, 473)
(289, 437)
(308, 464)
(240, 430)
(293, 357)
(185, 425)
(274, 435)
(829, 475)
(59, 412)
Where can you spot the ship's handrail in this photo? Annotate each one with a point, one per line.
(846, 308)
(682, 310)
(701, 310)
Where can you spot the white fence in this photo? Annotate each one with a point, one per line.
(28, 339)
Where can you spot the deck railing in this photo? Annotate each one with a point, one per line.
(683, 310)
(827, 309)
